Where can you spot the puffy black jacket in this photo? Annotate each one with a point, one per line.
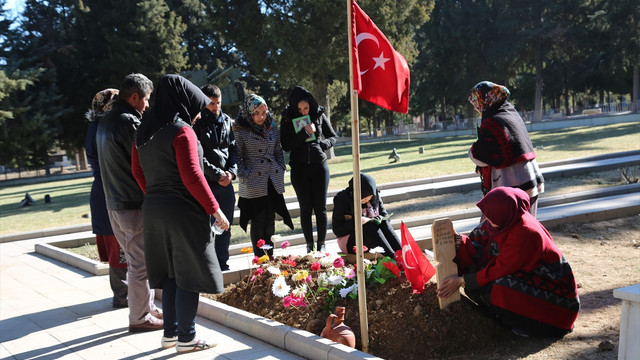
(114, 140)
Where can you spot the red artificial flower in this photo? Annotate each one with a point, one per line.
(255, 260)
(257, 273)
(338, 263)
(260, 243)
(316, 266)
(364, 249)
(289, 262)
(392, 267)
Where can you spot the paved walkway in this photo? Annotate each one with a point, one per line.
(50, 310)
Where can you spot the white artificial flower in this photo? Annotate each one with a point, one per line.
(366, 261)
(377, 250)
(345, 291)
(266, 247)
(299, 291)
(280, 287)
(323, 280)
(273, 270)
(335, 279)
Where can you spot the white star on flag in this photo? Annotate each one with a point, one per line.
(380, 60)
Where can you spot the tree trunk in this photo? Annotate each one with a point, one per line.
(538, 97)
(443, 112)
(329, 152)
(636, 87)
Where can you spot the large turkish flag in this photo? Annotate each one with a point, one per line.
(380, 73)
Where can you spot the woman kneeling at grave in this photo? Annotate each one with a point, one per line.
(510, 265)
(376, 230)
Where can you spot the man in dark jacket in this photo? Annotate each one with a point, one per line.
(220, 164)
(114, 139)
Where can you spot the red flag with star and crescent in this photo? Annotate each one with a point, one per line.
(417, 268)
(380, 73)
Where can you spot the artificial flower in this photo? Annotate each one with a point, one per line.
(280, 287)
(345, 291)
(260, 243)
(291, 300)
(273, 270)
(266, 247)
(364, 249)
(308, 279)
(285, 273)
(255, 260)
(323, 279)
(376, 250)
(246, 250)
(289, 262)
(349, 273)
(335, 279)
(392, 267)
(301, 275)
(316, 266)
(299, 291)
(338, 263)
(284, 245)
(263, 259)
(256, 273)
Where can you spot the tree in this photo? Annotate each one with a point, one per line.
(33, 125)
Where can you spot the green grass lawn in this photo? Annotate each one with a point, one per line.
(442, 156)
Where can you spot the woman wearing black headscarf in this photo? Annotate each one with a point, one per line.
(179, 249)
(375, 230)
(309, 170)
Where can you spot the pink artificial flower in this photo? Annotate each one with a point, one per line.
(316, 266)
(338, 263)
(257, 273)
(287, 301)
(308, 279)
(255, 260)
(284, 245)
(351, 274)
(260, 243)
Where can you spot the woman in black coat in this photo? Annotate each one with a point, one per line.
(376, 231)
(309, 170)
(179, 249)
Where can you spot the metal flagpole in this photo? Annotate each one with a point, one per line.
(357, 215)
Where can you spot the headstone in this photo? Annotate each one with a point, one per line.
(444, 250)
(421, 150)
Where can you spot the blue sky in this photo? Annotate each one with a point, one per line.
(14, 5)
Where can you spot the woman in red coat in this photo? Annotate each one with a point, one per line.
(512, 266)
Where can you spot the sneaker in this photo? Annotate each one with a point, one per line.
(169, 342)
(193, 345)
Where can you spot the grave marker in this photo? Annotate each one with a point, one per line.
(444, 250)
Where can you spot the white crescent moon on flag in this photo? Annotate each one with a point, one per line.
(366, 36)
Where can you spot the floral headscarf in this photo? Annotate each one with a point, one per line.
(101, 103)
(487, 94)
(249, 106)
